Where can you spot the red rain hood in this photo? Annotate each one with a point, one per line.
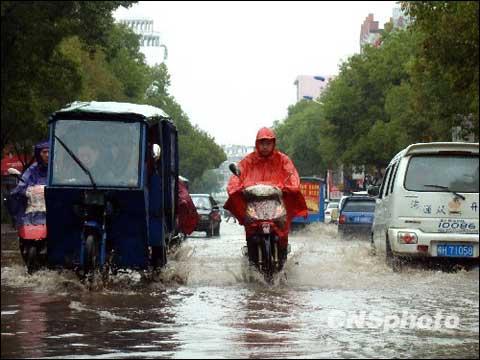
(265, 133)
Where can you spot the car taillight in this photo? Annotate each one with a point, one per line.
(342, 219)
(407, 237)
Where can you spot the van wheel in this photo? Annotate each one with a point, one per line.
(392, 261)
(373, 249)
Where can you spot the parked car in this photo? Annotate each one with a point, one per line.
(331, 212)
(209, 217)
(427, 205)
(356, 216)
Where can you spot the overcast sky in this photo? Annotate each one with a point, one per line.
(233, 64)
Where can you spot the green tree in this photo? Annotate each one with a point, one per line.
(208, 183)
(366, 107)
(299, 137)
(197, 149)
(35, 75)
(445, 72)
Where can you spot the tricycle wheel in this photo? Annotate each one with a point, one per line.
(159, 256)
(91, 254)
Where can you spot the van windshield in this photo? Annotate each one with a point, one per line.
(447, 173)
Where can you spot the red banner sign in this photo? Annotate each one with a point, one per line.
(311, 193)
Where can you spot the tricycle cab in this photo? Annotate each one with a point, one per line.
(113, 173)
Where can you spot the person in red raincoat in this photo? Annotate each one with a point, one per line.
(268, 166)
(187, 212)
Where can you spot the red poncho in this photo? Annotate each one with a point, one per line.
(275, 169)
(187, 213)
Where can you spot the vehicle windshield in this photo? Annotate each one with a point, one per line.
(359, 206)
(332, 205)
(109, 150)
(201, 202)
(442, 173)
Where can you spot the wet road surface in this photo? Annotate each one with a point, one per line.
(333, 300)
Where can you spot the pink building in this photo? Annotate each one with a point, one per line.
(307, 85)
(369, 32)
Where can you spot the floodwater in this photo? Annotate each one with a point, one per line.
(333, 300)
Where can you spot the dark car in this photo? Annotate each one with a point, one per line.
(356, 216)
(208, 214)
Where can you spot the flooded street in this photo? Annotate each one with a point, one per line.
(333, 300)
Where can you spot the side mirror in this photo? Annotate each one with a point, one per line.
(373, 190)
(234, 169)
(156, 151)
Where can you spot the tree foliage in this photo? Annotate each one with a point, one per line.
(56, 52)
(445, 72)
(197, 149)
(413, 88)
(35, 75)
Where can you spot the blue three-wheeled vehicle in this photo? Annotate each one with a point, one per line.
(111, 194)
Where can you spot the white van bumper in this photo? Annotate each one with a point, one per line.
(434, 244)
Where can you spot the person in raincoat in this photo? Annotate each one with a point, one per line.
(26, 200)
(187, 216)
(266, 165)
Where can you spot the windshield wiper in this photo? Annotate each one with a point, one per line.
(446, 188)
(77, 160)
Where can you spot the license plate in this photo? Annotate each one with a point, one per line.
(362, 219)
(455, 250)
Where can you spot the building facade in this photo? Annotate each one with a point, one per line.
(369, 32)
(149, 37)
(307, 85)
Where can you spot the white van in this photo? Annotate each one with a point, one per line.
(428, 202)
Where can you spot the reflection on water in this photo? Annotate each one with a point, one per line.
(210, 303)
(268, 324)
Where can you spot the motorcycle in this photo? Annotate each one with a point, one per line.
(94, 210)
(32, 237)
(265, 216)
